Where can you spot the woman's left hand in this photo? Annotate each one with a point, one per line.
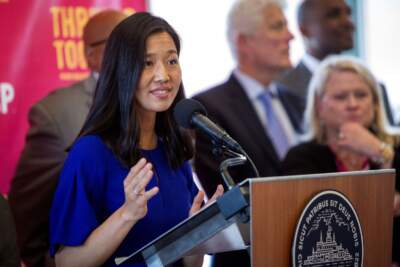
(198, 200)
(357, 138)
(197, 260)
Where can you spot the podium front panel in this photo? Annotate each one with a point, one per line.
(277, 204)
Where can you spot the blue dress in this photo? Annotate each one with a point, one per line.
(90, 189)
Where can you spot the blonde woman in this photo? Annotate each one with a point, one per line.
(346, 127)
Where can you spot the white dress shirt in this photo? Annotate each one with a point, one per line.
(253, 90)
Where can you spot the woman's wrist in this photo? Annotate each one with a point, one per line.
(385, 155)
(126, 215)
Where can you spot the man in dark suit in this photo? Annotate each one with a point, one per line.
(55, 122)
(327, 29)
(259, 39)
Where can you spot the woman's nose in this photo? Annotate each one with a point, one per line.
(161, 73)
(352, 101)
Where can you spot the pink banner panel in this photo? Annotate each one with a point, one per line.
(40, 50)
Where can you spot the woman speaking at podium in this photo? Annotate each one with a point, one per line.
(127, 178)
(347, 127)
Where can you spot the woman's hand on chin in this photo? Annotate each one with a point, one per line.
(357, 138)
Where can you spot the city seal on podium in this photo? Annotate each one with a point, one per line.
(328, 233)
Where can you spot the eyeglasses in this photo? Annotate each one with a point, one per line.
(97, 43)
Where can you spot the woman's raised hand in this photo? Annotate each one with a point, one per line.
(136, 196)
(357, 138)
(198, 200)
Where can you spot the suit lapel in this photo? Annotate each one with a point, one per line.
(296, 80)
(303, 78)
(294, 107)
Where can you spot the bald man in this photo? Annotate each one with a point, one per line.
(327, 29)
(55, 122)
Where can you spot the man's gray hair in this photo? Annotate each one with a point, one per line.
(244, 18)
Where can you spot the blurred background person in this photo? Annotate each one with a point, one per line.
(327, 29)
(127, 178)
(263, 117)
(55, 122)
(347, 128)
(9, 256)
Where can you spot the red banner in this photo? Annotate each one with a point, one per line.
(40, 50)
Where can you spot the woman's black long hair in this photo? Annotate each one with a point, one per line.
(113, 114)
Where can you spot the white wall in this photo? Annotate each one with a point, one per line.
(382, 45)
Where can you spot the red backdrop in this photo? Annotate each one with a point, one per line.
(40, 50)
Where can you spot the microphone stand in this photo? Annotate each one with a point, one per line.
(234, 159)
(237, 159)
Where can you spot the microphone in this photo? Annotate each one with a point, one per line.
(191, 114)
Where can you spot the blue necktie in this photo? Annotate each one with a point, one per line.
(274, 127)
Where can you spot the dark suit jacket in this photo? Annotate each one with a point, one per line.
(55, 122)
(229, 106)
(297, 80)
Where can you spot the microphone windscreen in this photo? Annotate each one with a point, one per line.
(185, 109)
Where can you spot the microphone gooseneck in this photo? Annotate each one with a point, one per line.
(191, 114)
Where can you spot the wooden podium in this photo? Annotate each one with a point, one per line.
(277, 203)
(273, 207)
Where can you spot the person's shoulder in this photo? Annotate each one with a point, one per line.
(91, 156)
(217, 92)
(64, 105)
(302, 152)
(61, 95)
(285, 92)
(310, 147)
(90, 147)
(295, 77)
(211, 93)
(289, 74)
(187, 167)
(213, 99)
(293, 73)
(90, 141)
(306, 158)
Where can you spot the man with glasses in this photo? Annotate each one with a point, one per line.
(55, 122)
